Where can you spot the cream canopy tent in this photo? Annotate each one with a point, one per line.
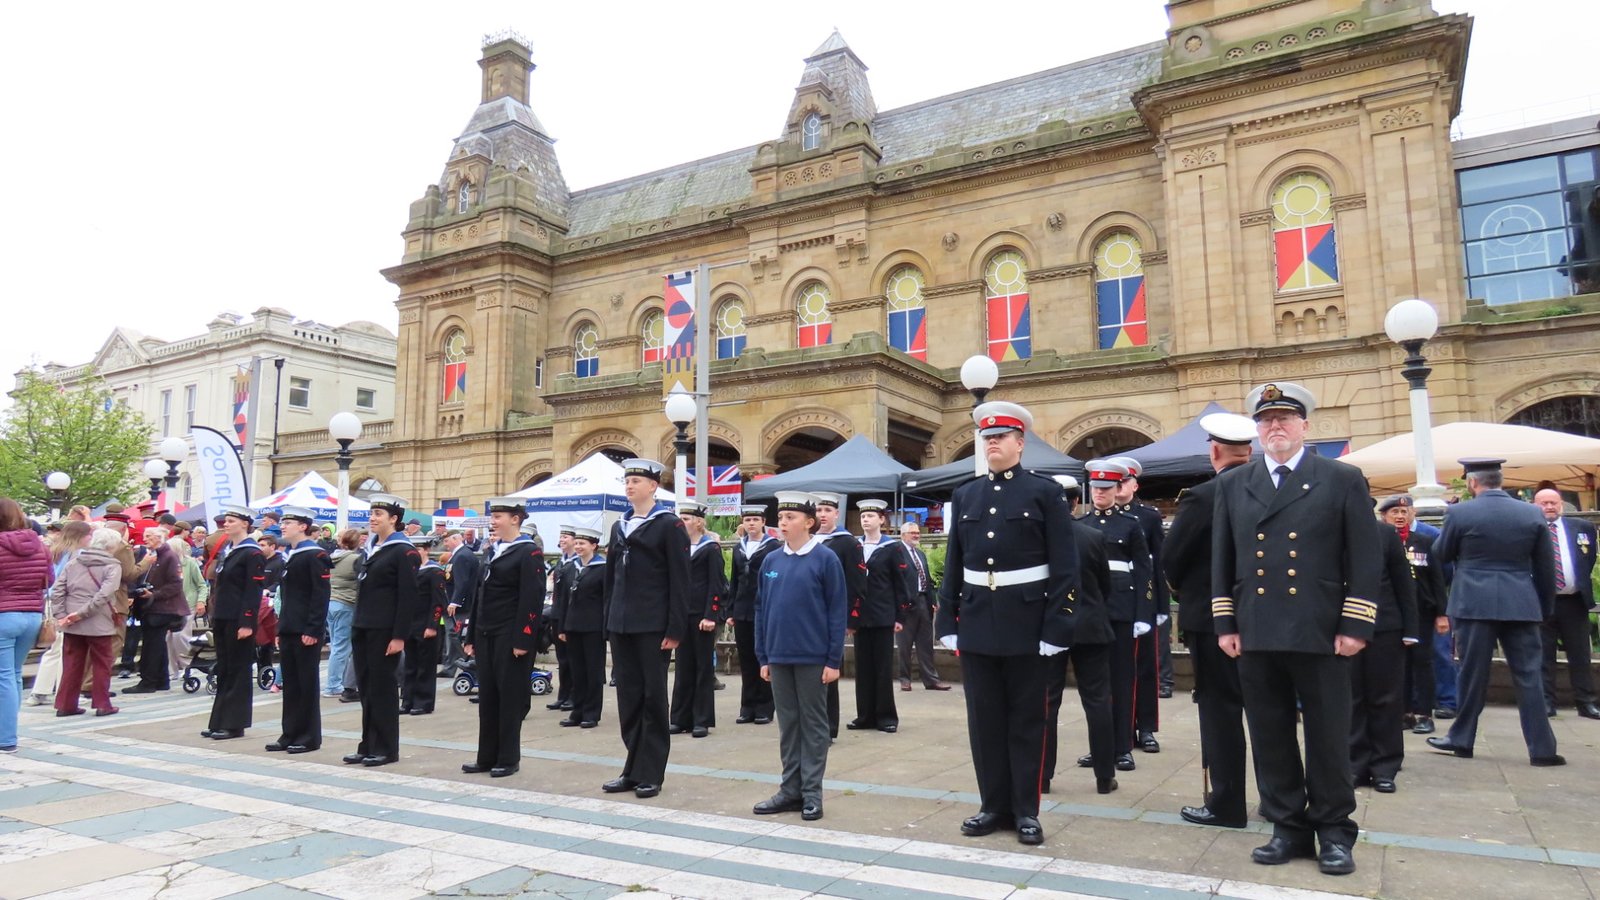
(1532, 455)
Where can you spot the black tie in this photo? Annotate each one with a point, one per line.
(1283, 473)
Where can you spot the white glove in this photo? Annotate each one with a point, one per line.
(1050, 649)
(1140, 629)
(1161, 619)
(949, 641)
(1408, 641)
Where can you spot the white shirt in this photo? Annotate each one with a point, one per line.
(1565, 553)
(814, 541)
(1292, 462)
(867, 547)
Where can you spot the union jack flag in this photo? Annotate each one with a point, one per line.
(724, 480)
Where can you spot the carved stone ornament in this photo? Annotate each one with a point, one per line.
(616, 301)
(1196, 157)
(1400, 117)
(949, 241)
(1056, 221)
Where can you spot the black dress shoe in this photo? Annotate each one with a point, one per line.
(677, 729)
(474, 769)
(205, 734)
(421, 712)
(1335, 859)
(1125, 763)
(1202, 815)
(1384, 785)
(1028, 831)
(587, 724)
(1550, 711)
(140, 689)
(1443, 744)
(1148, 743)
(1444, 713)
(646, 791)
(373, 762)
(566, 705)
(1086, 761)
(300, 748)
(619, 785)
(555, 705)
(354, 759)
(1424, 726)
(1545, 761)
(778, 804)
(763, 720)
(569, 723)
(227, 735)
(812, 811)
(1589, 710)
(985, 823)
(888, 729)
(1164, 692)
(858, 725)
(1280, 850)
(503, 771)
(275, 746)
(699, 731)
(1105, 785)
(350, 697)
(744, 720)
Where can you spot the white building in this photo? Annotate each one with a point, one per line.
(255, 379)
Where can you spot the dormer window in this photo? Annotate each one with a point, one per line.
(811, 132)
(463, 196)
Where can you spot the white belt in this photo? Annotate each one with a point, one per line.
(1117, 565)
(1005, 579)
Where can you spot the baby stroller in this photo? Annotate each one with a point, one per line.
(202, 661)
(540, 681)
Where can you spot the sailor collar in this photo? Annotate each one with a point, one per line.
(397, 539)
(704, 540)
(430, 564)
(303, 546)
(809, 546)
(631, 522)
(596, 560)
(501, 546)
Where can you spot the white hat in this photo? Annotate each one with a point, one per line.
(1285, 395)
(998, 417)
(1134, 467)
(589, 534)
(647, 468)
(388, 503)
(1105, 473)
(799, 501)
(1228, 428)
(508, 505)
(299, 513)
(826, 498)
(876, 506)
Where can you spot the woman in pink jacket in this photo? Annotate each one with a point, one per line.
(80, 601)
(24, 575)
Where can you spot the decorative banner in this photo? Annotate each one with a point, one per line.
(241, 403)
(221, 470)
(678, 333)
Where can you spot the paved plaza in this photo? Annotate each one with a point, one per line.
(138, 805)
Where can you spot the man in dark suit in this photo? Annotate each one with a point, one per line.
(462, 567)
(1293, 590)
(1504, 587)
(1007, 604)
(1186, 567)
(915, 640)
(1572, 546)
(1420, 687)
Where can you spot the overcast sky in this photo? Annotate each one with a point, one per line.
(169, 161)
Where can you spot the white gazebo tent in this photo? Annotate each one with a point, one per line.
(1532, 455)
(313, 492)
(589, 495)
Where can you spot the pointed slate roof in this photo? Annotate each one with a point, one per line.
(507, 132)
(837, 66)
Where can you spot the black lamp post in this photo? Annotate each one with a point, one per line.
(979, 375)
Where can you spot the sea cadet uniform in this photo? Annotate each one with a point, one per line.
(506, 620)
(304, 594)
(694, 678)
(884, 603)
(755, 694)
(387, 607)
(235, 603)
(582, 615)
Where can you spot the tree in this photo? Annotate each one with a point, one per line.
(81, 431)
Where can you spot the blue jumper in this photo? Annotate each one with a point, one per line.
(801, 608)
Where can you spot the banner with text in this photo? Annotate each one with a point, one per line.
(221, 470)
(724, 494)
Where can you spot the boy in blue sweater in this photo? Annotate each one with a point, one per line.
(801, 611)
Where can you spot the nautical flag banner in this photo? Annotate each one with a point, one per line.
(908, 331)
(1010, 334)
(1306, 257)
(455, 381)
(1122, 317)
(241, 403)
(678, 332)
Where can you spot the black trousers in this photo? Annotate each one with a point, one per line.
(1091, 669)
(640, 669)
(694, 681)
(1570, 626)
(1123, 670)
(375, 678)
(1475, 638)
(1317, 795)
(755, 694)
(875, 678)
(153, 631)
(1222, 747)
(833, 708)
(1146, 680)
(1421, 683)
(1164, 640)
(563, 671)
(1377, 746)
(915, 642)
(302, 707)
(503, 698)
(586, 657)
(130, 645)
(1006, 727)
(417, 687)
(231, 709)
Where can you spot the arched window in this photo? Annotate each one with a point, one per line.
(811, 132)
(816, 323)
(908, 314)
(1005, 284)
(463, 196)
(654, 326)
(1119, 291)
(1303, 233)
(730, 328)
(586, 351)
(455, 366)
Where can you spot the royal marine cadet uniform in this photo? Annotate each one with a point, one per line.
(755, 694)
(1186, 568)
(694, 681)
(848, 549)
(304, 594)
(884, 604)
(1292, 571)
(1131, 605)
(582, 613)
(1007, 602)
(234, 603)
(387, 607)
(422, 652)
(505, 620)
(1152, 649)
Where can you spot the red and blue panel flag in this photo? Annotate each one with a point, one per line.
(1307, 257)
(455, 381)
(241, 400)
(1010, 328)
(677, 340)
(1122, 316)
(908, 331)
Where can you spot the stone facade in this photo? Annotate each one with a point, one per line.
(1187, 149)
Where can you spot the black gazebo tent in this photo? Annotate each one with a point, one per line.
(1037, 454)
(855, 467)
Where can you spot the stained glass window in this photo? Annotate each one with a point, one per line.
(1303, 233)
(730, 329)
(586, 352)
(908, 314)
(1010, 325)
(654, 326)
(455, 366)
(816, 323)
(1119, 291)
(811, 132)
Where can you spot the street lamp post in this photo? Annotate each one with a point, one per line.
(978, 375)
(173, 451)
(156, 471)
(57, 482)
(345, 428)
(1411, 323)
(680, 409)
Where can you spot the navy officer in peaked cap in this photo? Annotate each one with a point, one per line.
(1294, 584)
(1006, 604)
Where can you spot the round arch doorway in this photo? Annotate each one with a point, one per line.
(805, 447)
(1107, 442)
(1573, 414)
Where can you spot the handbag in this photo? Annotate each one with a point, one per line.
(47, 633)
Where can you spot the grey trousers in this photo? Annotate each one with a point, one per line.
(915, 640)
(801, 701)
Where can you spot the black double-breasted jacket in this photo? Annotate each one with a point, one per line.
(581, 608)
(1186, 556)
(1132, 597)
(1006, 523)
(561, 585)
(1155, 537)
(742, 583)
(1397, 587)
(708, 585)
(1094, 586)
(1294, 566)
(1430, 578)
(511, 595)
(386, 595)
(845, 546)
(239, 578)
(304, 591)
(888, 595)
(647, 576)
